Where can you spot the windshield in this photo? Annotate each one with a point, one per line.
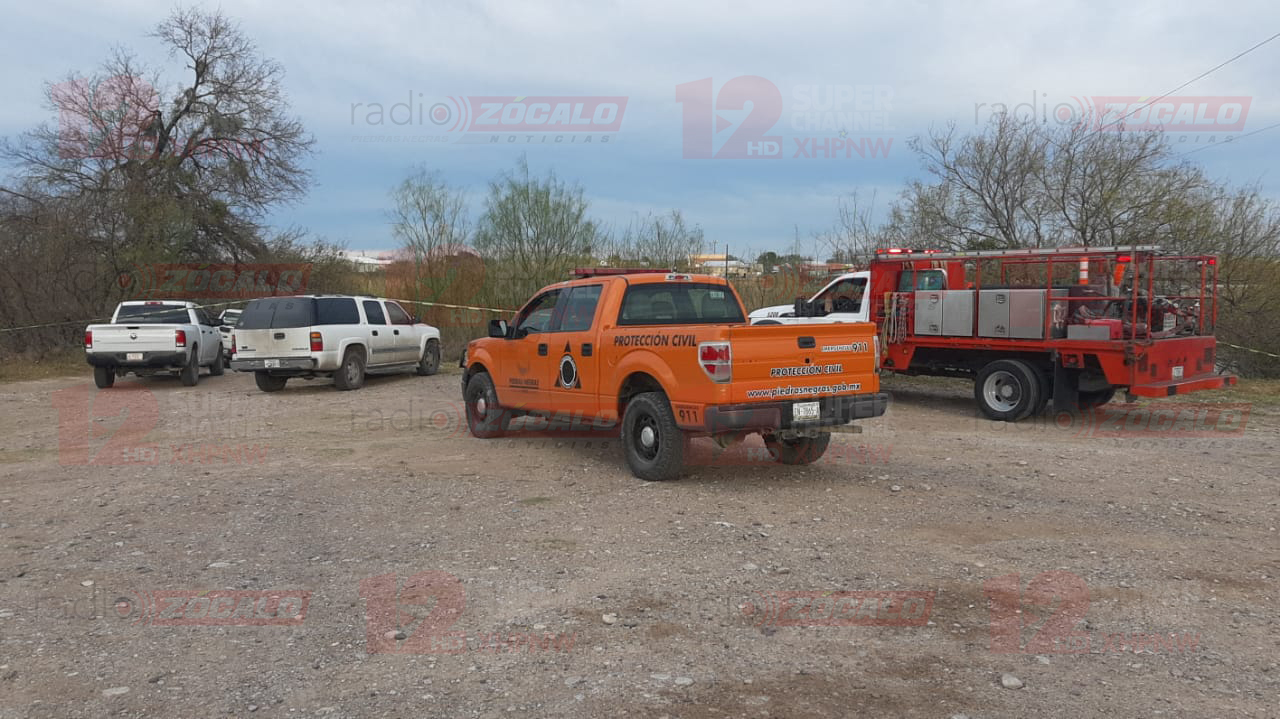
(152, 315)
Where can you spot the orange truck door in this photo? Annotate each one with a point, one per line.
(573, 367)
(522, 379)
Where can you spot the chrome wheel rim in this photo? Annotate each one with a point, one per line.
(1002, 391)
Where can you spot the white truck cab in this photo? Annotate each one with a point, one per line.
(844, 299)
(847, 298)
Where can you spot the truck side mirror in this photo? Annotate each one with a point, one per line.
(498, 328)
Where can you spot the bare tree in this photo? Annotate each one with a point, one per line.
(660, 241)
(535, 230)
(855, 234)
(992, 199)
(429, 217)
(187, 169)
(1112, 188)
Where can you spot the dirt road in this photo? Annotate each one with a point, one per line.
(1131, 575)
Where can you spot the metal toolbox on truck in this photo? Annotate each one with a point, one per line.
(957, 313)
(928, 313)
(993, 313)
(1026, 314)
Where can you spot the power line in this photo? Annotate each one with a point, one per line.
(1215, 68)
(1232, 140)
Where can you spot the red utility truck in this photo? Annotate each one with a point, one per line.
(1067, 325)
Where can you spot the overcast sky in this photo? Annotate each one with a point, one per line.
(879, 72)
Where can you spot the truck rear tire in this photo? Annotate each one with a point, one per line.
(268, 383)
(104, 377)
(429, 364)
(190, 374)
(652, 441)
(485, 417)
(801, 450)
(1007, 390)
(1089, 400)
(350, 374)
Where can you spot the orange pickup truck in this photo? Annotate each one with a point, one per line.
(672, 357)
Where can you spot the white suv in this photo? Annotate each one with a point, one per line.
(330, 335)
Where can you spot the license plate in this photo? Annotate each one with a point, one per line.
(801, 411)
(133, 356)
(1177, 371)
(270, 363)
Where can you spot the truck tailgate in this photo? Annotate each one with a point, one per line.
(799, 362)
(133, 338)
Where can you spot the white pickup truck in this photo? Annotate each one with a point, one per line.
(339, 336)
(844, 299)
(154, 337)
(226, 325)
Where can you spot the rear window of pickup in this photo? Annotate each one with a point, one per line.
(686, 303)
(152, 315)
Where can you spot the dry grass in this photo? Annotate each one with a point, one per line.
(1259, 391)
(19, 368)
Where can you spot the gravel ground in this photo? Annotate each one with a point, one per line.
(612, 596)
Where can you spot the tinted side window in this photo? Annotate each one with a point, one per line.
(923, 280)
(336, 311)
(277, 312)
(581, 309)
(685, 303)
(373, 310)
(398, 315)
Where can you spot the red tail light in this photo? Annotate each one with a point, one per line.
(716, 359)
(317, 342)
(233, 345)
(88, 339)
(179, 338)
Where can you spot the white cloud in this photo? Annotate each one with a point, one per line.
(939, 59)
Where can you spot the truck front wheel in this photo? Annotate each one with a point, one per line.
(800, 450)
(104, 377)
(485, 417)
(1007, 390)
(190, 374)
(429, 363)
(216, 369)
(654, 445)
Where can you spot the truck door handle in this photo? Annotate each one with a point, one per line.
(542, 350)
(374, 333)
(805, 343)
(278, 335)
(395, 332)
(586, 349)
